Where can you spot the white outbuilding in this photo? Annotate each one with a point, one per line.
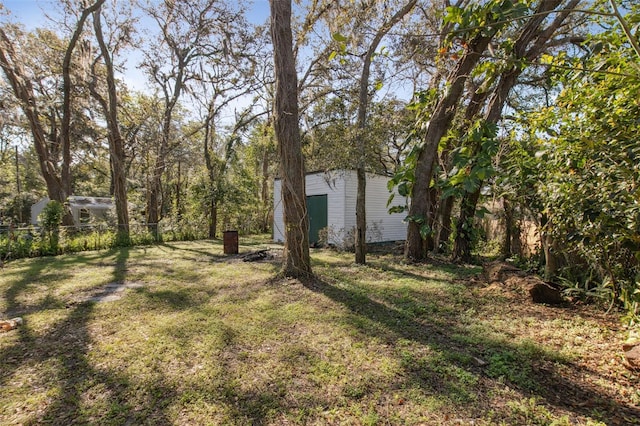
(84, 209)
(331, 205)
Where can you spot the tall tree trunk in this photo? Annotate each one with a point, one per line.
(116, 142)
(65, 128)
(297, 262)
(444, 217)
(361, 215)
(178, 201)
(211, 174)
(363, 104)
(463, 242)
(474, 107)
(171, 97)
(421, 199)
(155, 189)
(213, 218)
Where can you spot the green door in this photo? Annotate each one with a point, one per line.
(317, 209)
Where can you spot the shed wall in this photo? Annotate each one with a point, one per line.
(381, 226)
(341, 189)
(37, 208)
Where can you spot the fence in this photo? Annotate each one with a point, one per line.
(16, 243)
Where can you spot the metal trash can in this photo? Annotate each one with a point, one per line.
(230, 241)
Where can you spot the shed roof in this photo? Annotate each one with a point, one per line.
(95, 203)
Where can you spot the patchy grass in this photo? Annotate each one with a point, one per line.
(207, 339)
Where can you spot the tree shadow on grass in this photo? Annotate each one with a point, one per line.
(202, 252)
(81, 393)
(454, 372)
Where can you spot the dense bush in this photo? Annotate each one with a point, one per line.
(579, 169)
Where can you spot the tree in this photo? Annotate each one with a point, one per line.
(534, 38)
(116, 141)
(228, 76)
(576, 167)
(50, 139)
(189, 32)
(356, 47)
(484, 22)
(363, 104)
(65, 127)
(297, 262)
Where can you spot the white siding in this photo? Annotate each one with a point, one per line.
(340, 186)
(382, 226)
(350, 195)
(37, 208)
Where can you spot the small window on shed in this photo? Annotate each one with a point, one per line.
(84, 216)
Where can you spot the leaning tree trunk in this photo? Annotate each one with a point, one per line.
(296, 262)
(529, 45)
(421, 199)
(476, 103)
(23, 90)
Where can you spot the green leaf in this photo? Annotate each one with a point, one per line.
(403, 189)
(417, 218)
(333, 55)
(459, 178)
(390, 200)
(470, 185)
(339, 38)
(453, 15)
(425, 231)
(398, 209)
(481, 212)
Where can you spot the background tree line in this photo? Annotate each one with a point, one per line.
(530, 104)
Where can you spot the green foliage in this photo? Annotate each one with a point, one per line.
(31, 242)
(404, 177)
(16, 209)
(472, 161)
(579, 166)
(51, 216)
(482, 18)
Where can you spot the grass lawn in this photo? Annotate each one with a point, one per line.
(200, 338)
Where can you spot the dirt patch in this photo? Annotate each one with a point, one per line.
(502, 276)
(109, 293)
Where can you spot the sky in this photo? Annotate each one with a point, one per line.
(30, 14)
